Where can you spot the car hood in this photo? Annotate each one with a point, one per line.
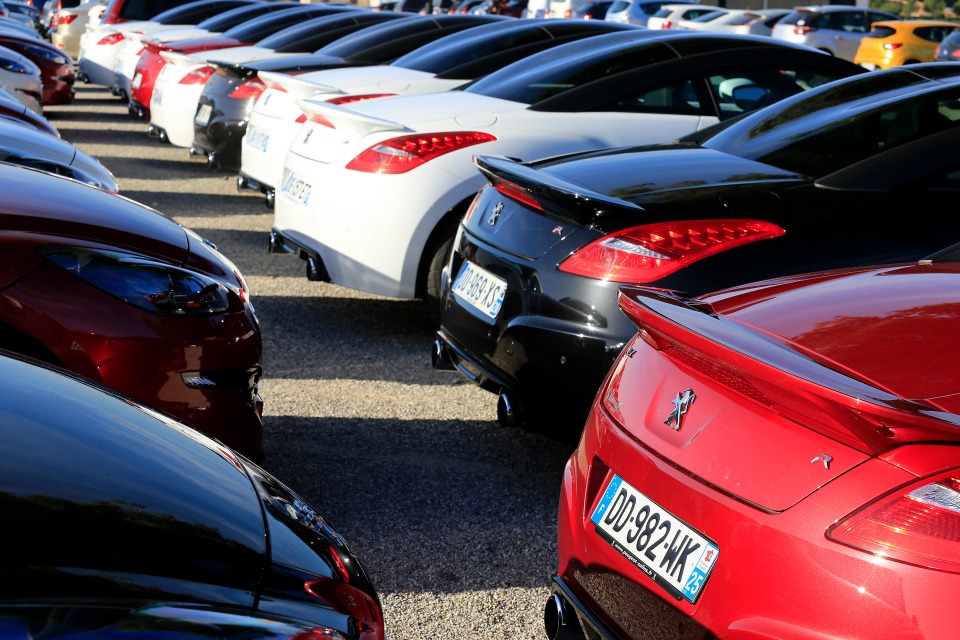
(892, 327)
(22, 145)
(648, 175)
(53, 210)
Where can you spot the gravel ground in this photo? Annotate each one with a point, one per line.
(453, 516)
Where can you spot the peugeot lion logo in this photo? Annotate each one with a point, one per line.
(681, 405)
(495, 214)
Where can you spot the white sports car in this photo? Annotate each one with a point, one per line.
(444, 64)
(372, 195)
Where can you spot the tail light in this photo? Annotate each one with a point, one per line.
(111, 39)
(918, 524)
(666, 24)
(249, 90)
(301, 118)
(359, 98)
(567, 13)
(198, 76)
(67, 19)
(802, 31)
(650, 252)
(516, 192)
(890, 46)
(402, 154)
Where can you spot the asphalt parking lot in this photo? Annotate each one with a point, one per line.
(453, 516)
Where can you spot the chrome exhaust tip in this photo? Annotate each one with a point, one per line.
(559, 622)
(241, 182)
(440, 357)
(508, 414)
(315, 271)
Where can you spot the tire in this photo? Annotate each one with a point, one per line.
(436, 256)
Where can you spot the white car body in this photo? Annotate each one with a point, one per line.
(759, 22)
(174, 104)
(371, 229)
(702, 23)
(104, 46)
(72, 25)
(24, 83)
(273, 122)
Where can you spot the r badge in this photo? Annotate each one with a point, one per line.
(681, 404)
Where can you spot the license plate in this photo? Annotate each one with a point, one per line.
(662, 546)
(257, 139)
(137, 79)
(480, 289)
(296, 189)
(203, 115)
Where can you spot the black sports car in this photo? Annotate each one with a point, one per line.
(858, 171)
(107, 501)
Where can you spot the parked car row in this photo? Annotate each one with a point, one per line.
(614, 230)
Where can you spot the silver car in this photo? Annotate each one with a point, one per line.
(835, 29)
(757, 22)
(636, 11)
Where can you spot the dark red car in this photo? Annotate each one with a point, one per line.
(125, 296)
(56, 67)
(777, 460)
(247, 33)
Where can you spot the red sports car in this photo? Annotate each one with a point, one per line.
(123, 295)
(778, 460)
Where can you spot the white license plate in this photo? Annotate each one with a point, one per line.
(203, 115)
(480, 289)
(257, 139)
(137, 79)
(296, 189)
(663, 547)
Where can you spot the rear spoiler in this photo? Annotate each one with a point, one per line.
(557, 196)
(346, 119)
(297, 87)
(785, 378)
(181, 59)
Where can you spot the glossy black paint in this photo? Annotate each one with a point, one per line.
(557, 334)
(106, 501)
(374, 44)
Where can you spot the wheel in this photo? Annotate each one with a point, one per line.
(436, 256)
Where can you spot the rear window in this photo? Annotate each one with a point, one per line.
(788, 139)
(934, 33)
(743, 18)
(530, 84)
(439, 56)
(618, 5)
(234, 17)
(801, 18)
(881, 31)
(146, 9)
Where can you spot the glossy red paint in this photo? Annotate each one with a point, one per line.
(56, 67)
(764, 462)
(151, 63)
(48, 312)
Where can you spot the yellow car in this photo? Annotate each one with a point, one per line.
(897, 42)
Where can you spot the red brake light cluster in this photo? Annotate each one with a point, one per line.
(666, 24)
(516, 192)
(358, 98)
(67, 19)
(919, 525)
(890, 46)
(111, 39)
(402, 154)
(198, 76)
(802, 31)
(251, 89)
(650, 252)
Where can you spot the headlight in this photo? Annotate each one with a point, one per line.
(145, 283)
(13, 66)
(47, 54)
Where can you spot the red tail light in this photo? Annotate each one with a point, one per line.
(198, 76)
(358, 98)
(518, 193)
(650, 252)
(67, 19)
(402, 154)
(918, 524)
(666, 25)
(318, 119)
(301, 118)
(251, 89)
(802, 31)
(890, 46)
(111, 39)
(567, 13)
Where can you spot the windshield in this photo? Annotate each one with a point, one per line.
(799, 136)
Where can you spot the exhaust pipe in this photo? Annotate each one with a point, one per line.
(559, 622)
(241, 182)
(316, 272)
(212, 161)
(508, 411)
(271, 199)
(440, 357)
